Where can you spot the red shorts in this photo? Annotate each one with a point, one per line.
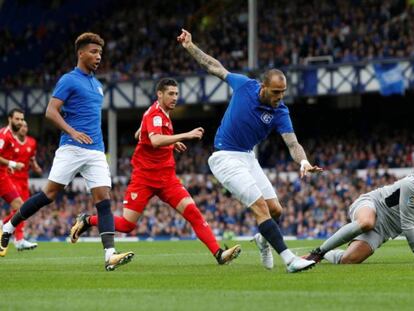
(138, 193)
(8, 190)
(22, 186)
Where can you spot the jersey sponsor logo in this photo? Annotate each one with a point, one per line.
(266, 117)
(157, 121)
(1, 143)
(100, 90)
(134, 195)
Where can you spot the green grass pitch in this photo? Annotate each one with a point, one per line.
(184, 276)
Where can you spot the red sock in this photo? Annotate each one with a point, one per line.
(121, 224)
(201, 227)
(18, 233)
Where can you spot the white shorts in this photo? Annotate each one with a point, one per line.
(375, 237)
(91, 164)
(241, 174)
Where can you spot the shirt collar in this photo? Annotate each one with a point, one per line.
(78, 70)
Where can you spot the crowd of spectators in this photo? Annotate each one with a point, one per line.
(140, 36)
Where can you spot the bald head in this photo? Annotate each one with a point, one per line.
(273, 74)
(273, 87)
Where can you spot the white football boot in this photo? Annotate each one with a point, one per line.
(299, 264)
(23, 245)
(265, 250)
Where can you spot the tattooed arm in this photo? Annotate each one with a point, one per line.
(299, 155)
(296, 150)
(209, 63)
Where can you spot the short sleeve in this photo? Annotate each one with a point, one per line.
(154, 123)
(283, 123)
(63, 88)
(3, 142)
(236, 80)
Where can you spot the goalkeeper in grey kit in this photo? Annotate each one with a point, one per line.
(376, 217)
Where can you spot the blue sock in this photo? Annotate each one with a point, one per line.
(30, 207)
(271, 232)
(106, 225)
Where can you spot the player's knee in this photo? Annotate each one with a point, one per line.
(260, 209)
(275, 209)
(350, 259)
(366, 223)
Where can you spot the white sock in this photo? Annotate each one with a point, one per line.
(287, 256)
(8, 227)
(108, 253)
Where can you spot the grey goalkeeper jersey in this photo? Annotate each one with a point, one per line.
(394, 206)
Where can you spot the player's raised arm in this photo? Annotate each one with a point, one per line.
(209, 63)
(298, 155)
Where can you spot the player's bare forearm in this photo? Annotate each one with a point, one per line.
(209, 63)
(53, 114)
(295, 149)
(159, 140)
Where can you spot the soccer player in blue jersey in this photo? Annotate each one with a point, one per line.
(255, 110)
(79, 97)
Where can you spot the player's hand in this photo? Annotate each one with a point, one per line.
(184, 38)
(180, 147)
(35, 167)
(306, 168)
(196, 133)
(81, 138)
(18, 166)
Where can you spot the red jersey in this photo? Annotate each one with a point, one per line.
(7, 144)
(146, 157)
(23, 152)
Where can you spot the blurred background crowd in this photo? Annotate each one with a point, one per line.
(141, 44)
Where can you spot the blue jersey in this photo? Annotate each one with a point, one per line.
(82, 95)
(247, 121)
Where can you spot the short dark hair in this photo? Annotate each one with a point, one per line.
(164, 83)
(86, 38)
(15, 110)
(268, 74)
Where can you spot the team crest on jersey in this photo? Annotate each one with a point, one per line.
(16, 150)
(157, 121)
(29, 149)
(411, 200)
(100, 90)
(134, 195)
(266, 117)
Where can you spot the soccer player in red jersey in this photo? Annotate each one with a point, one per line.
(9, 146)
(25, 152)
(154, 174)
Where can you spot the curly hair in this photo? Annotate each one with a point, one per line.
(86, 38)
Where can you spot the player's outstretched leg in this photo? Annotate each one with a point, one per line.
(205, 234)
(265, 250)
(225, 256)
